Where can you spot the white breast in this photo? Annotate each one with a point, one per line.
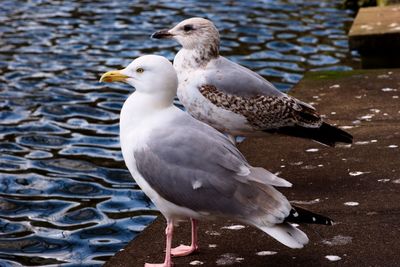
(134, 136)
(201, 108)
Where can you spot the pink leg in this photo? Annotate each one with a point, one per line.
(183, 250)
(167, 262)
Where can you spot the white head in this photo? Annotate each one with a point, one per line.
(193, 33)
(149, 74)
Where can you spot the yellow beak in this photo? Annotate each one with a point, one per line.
(113, 76)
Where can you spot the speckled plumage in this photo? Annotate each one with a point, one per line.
(262, 112)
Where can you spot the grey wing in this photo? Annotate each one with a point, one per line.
(194, 166)
(240, 90)
(231, 78)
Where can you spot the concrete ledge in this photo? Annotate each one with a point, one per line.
(375, 34)
(376, 28)
(324, 179)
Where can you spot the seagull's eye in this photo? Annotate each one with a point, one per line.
(139, 70)
(188, 27)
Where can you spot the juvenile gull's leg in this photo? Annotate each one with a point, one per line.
(167, 262)
(183, 250)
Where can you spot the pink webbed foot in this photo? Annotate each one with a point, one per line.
(167, 262)
(158, 265)
(183, 250)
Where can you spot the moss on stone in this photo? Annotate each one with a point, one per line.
(331, 75)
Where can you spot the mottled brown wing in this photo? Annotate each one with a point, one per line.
(264, 112)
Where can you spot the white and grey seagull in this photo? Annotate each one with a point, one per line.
(234, 99)
(190, 170)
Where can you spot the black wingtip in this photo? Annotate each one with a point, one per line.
(326, 134)
(300, 215)
(336, 134)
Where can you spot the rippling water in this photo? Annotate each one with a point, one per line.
(65, 194)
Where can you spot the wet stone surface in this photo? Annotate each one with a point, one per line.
(66, 196)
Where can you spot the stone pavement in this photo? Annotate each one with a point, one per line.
(358, 186)
(375, 34)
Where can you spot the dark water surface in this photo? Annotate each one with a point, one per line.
(65, 194)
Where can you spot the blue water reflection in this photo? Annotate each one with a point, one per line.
(66, 196)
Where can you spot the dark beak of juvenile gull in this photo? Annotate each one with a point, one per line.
(163, 34)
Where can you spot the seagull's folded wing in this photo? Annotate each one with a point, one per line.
(242, 91)
(192, 165)
(231, 78)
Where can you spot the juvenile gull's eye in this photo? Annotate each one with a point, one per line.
(139, 70)
(188, 27)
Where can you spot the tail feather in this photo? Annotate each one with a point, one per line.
(300, 215)
(287, 234)
(263, 176)
(325, 134)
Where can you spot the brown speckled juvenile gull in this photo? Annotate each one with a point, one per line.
(190, 170)
(234, 99)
